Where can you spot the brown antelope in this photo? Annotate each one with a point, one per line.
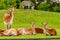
(49, 31)
(32, 30)
(39, 30)
(9, 32)
(36, 30)
(23, 31)
(27, 3)
(27, 30)
(8, 18)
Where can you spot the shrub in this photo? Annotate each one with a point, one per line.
(43, 6)
(56, 8)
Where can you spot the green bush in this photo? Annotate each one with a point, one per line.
(4, 4)
(56, 8)
(43, 6)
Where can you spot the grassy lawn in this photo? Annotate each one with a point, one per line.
(22, 18)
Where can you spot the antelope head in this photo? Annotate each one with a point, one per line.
(44, 24)
(10, 10)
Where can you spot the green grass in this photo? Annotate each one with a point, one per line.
(22, 18)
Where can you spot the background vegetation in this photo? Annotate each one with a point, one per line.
(42, 5)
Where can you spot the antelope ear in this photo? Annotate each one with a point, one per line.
(12, 8)
(46, 23)
(8, 11)
(33, 22)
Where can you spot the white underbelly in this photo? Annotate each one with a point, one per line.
(13, 33)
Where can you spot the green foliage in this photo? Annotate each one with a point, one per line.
(2, 5)
(18, 3)
(5, 4)
(43, 6)
(56, 8)
(48, 7)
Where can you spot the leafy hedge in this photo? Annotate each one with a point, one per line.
(43, 6)
(4, 4)
(56, 8)
(48, 7)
